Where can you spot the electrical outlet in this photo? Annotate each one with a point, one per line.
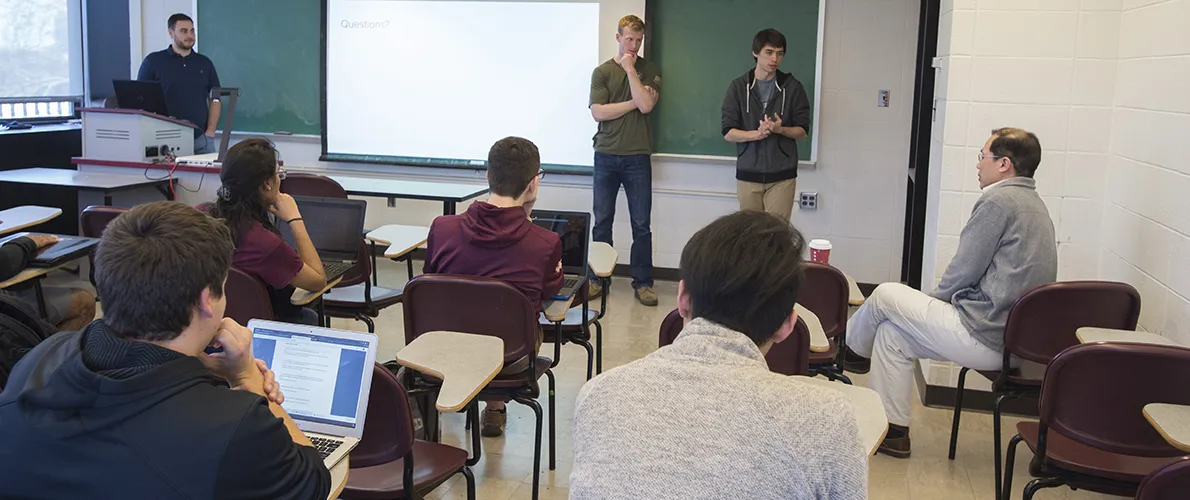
(808, 200)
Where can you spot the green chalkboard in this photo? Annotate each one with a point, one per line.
(271, 50)
(702, 45)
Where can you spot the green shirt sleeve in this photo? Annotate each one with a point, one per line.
(652, 76)
(599, 92)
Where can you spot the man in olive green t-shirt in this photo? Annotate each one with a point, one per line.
(624, 90)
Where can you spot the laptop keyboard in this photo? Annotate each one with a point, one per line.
(325, 446)
(570, 283)
(335, 269)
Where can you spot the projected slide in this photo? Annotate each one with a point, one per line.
(437, 82)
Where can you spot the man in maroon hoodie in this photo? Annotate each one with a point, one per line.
(496, 239)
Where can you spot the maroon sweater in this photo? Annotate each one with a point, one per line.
(498, 243)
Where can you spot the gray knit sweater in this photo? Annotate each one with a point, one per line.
(704, 418)
(1007, 248)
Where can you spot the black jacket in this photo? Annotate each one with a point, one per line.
(774, 158)
(91, 415)
(15, 255)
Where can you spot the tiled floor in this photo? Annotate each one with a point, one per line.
(630, 332)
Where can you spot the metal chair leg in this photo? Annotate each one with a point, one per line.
(1037, 484)
(590, 355)
(553, 442)
(536, 443)
(473, 426)
(470, 478)
(598, 347)
(1010, 462)
(958, 411)
(375, 272)
(843, 377)
(996, 440)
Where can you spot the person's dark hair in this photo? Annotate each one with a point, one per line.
(173, 20)
(770, 37)
(152, 264)
(1020, 146)
(513, 162)
(246, 167)
(744, 271)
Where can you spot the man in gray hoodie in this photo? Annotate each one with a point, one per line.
(1007, 248)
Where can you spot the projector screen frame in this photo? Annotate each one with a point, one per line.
(447, 163)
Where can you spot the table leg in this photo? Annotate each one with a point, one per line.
(448, 208)
(40, 299)
(107, 198)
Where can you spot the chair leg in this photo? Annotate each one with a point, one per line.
(590, 355)
(843, 377)
(367, 321)
(557, 344)
(476, 445)
(1010, 462)
(537, 441)
(996, 440)
(1037, 484)
(553, 442)
(470, 478)
(375, 272)
(409, 265)
(958, 411)
(599, 346)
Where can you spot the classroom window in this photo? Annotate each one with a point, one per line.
(41, 50)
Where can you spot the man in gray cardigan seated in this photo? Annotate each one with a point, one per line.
(1006, 249)
(704, 418)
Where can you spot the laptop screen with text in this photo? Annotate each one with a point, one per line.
(321, 375)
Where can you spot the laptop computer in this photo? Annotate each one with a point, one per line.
(334, 226)
(66, 249)
(326, 375)
(145, 95)
(574, 228)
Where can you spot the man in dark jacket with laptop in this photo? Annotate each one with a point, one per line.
(765, 113)
(132, 406)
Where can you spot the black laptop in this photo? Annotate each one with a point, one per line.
(574, 228)
(65, 250)
(145, 95)
(334, 226)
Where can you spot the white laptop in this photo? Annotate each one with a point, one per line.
(326, 376)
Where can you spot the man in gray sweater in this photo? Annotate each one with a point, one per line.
(1007, 248)
(704, 418)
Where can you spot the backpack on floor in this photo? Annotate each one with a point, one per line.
(424, 423)
(20, 331)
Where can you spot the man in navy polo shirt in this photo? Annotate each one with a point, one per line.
(188, 78)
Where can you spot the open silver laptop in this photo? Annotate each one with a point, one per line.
(326, 376)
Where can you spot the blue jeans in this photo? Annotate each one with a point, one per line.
(204, 145)
(635, 173)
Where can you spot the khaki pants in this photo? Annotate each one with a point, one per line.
(774, 197)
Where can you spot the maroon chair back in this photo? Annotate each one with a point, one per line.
(95, 218)
(670, 328)
(1095, 394)
(470, 304)
(1043, 322)
(388, 426)
(790, 357)
(825, 293)
(312, 185)
(247, 297)
(1166, 483)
